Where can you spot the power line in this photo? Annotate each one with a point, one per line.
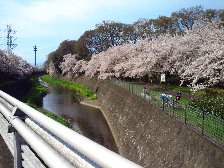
(10, 39)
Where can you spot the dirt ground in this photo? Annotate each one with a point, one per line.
(6, 159)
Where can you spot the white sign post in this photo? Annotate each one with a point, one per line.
(163, 77)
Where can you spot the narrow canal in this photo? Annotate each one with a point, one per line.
(86, 120)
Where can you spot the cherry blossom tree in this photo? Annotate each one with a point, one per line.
(71, 66)
(50, 68)
(14, 65)
(197, 57)
(130, 60)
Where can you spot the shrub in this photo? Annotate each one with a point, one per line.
(211, 101)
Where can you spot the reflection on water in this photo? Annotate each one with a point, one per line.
(85, 120)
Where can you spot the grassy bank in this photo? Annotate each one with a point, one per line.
(174, 88)
(83, 91)
(211, 101)
(34, 99)
(204, 112)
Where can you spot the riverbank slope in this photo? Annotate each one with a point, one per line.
(147, 135)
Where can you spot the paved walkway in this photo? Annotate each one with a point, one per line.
(6, 159)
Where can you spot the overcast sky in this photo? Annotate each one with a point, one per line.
(46, 23)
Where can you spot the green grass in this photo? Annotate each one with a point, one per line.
(174, 88)
(212, 125)
(36, 94)
(156, 94)
(50, 115)
(211, 101)
(34, 99)
(70, 85)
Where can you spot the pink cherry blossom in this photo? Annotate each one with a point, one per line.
(197, 57)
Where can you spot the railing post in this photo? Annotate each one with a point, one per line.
(137, 90)
(203, 118)
(173, 107)
(17, 141)
(185, 116)
(17, 150)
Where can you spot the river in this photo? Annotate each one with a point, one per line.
(86, 120)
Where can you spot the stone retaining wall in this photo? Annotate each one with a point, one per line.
(147, 135)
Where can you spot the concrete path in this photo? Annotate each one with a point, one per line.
(92, 103)
(6, 159)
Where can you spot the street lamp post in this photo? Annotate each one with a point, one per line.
(35, 50)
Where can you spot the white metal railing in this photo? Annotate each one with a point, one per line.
(54, 144)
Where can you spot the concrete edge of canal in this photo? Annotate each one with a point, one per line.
(96, 104)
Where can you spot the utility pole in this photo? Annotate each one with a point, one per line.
(10, 39)
(35, 50)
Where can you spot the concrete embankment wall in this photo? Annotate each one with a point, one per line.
(150, 137)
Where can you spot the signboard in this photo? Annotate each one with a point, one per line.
(163, 77)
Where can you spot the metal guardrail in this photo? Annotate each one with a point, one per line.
(208, 125)
(39, 141)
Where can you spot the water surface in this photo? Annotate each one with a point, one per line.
(86, 120)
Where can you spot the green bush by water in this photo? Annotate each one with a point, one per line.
(34, 99)
(36, 94)
(70, 85)
(49, 114)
